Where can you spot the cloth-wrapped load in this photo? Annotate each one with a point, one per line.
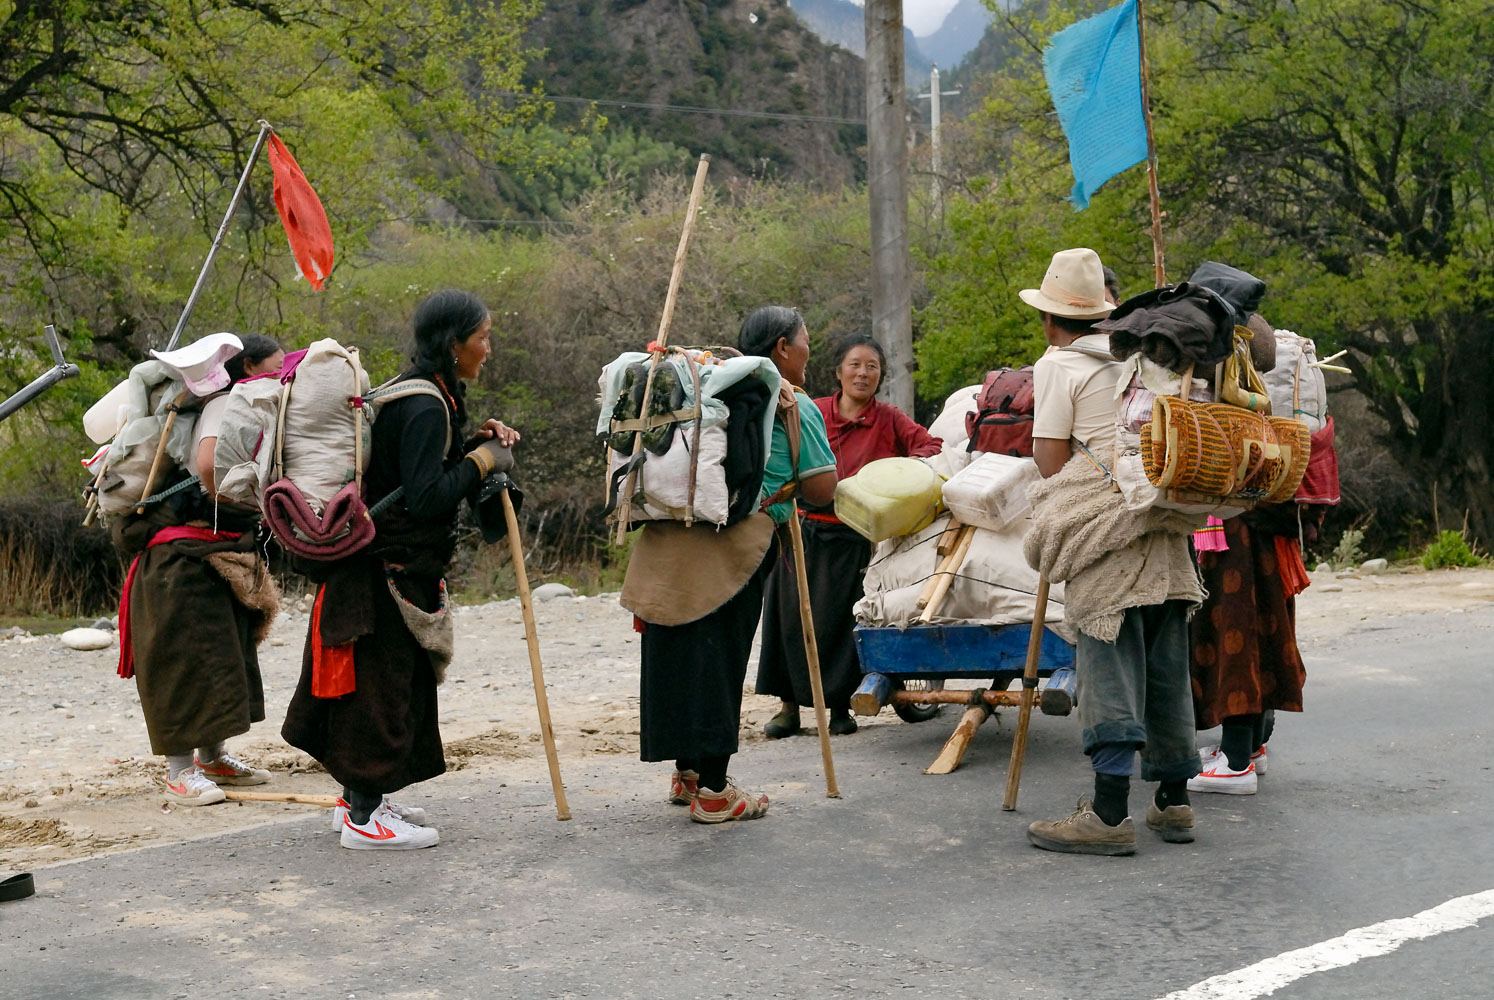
(993, 586)
(707, 428)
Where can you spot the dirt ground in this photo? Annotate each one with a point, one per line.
(77, 777)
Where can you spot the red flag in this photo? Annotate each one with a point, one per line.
(302, 214)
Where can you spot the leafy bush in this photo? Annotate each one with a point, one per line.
(1348, 553)
(1450, 548)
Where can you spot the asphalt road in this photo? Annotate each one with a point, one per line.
(1377, 806)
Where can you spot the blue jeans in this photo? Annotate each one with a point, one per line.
(1137, 692)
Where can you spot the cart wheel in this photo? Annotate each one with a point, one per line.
(916, 713)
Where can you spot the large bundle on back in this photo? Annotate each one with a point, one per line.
(323, 439)
(706, 429)
(132, 417)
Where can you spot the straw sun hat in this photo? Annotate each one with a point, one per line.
(1074, 286)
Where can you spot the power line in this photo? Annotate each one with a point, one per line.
(690, 109)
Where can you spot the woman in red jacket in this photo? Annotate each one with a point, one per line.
(861, 430)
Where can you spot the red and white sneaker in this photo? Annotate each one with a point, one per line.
(682, 787)
(385, 831)
(1206, 755)
(229, 770)
(192, 788)
(1217, 777)
(410, 814)
(733, 803)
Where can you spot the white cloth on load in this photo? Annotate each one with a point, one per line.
(994, 585)
(662, 483)
(949, 427)
(1295, 355)
(141, 410)
(319, 443)
(244, 457)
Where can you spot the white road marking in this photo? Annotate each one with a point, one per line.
(1265, 978)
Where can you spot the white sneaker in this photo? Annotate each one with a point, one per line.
(385, 831)
(1206, 755)
(229, 770)
(1217, 777)
(192, 788)
(413, 815)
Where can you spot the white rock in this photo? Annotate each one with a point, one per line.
(87, 638)
(1323, 567)
(1375, 565)
(552, 591)
(1331, 588)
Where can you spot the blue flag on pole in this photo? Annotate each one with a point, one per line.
(1093, 70)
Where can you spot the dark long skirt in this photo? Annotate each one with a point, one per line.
(384, 735)
(1245, 658)
(690, 685)
(196, 667)
(835, 559)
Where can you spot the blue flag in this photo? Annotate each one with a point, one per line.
(1094, 73)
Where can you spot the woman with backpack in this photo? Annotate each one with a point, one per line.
(380, 634)
(697, 594)
(860, 430)
(197, 601)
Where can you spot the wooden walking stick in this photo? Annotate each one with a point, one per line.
(516, 547)
(325, 801)
(697, 191)
(1029, 692)
(155, 465)
(812, 652)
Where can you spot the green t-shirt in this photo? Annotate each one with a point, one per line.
(815, 455)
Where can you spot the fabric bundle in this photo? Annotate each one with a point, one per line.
(342, 528)
(1174, 326)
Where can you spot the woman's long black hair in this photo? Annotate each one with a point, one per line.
(765, 326)
(442, 320)
(257, 347)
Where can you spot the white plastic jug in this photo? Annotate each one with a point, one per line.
(991, 492)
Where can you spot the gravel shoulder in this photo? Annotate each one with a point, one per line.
(77, 778)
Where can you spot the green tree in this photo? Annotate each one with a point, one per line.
(1340, 149)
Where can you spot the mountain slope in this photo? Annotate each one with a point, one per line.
(738, 55)
(962, 29)
(843, 23)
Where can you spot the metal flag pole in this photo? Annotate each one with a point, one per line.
(265, 128)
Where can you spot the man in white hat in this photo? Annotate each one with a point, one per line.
(1129, 581)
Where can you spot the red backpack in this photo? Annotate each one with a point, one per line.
(1002, 419)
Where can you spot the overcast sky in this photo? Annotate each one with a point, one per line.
(923, 16)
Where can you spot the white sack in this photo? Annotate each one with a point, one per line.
(320, 428)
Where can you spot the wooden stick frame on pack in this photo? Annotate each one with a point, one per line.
(661, 343)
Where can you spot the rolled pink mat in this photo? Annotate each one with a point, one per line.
(343, 529)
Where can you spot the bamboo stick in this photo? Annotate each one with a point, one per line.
(235, 795)
(812, 652)
(661, 341)
(947, 554)
(536, 669)
(155, 465)
(1029, 690)
(1159, 263)
(941, 589)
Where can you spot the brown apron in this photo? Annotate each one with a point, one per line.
(680, 574)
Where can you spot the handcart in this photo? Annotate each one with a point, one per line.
(907, 667)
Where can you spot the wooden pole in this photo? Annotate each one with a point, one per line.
(661, 341)
(536, 669)
(1029, 690)
(155, 465)
(950, 569)
(235, 795)
(1158, 256)
(959, 741)
(812, 652)
(887, 194)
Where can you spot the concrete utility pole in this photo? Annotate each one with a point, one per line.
(887, 183)
(936, 190)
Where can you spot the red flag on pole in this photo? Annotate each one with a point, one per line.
(302, 214)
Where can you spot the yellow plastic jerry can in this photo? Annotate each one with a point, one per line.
(890, 497)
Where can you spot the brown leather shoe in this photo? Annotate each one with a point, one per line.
(1173, 824)
(1083, 832)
